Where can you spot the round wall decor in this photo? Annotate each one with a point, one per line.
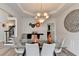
(71, 22)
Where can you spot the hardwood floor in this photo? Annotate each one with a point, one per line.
(7, 52)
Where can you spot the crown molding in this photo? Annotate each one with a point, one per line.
(26, 12)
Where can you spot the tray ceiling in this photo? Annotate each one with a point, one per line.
(38, 7)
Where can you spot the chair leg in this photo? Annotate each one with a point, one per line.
(54, 53)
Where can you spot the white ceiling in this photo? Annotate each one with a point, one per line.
(33, 8)
(38, 7)
(30, 9)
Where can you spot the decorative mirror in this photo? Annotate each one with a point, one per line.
(71, 22)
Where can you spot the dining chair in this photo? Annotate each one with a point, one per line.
(48, 49)
(32, 49)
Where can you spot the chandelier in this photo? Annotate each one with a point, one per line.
(41, 16)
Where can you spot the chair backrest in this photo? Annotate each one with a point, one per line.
(48, 49)
(32, 49)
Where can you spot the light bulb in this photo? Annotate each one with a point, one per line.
(47, 17)
(41, 20)
(38, 14)
(45, 14)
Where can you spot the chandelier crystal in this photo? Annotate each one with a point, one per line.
(42, 17)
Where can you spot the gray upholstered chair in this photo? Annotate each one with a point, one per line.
(48, 49)
(32, 49)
